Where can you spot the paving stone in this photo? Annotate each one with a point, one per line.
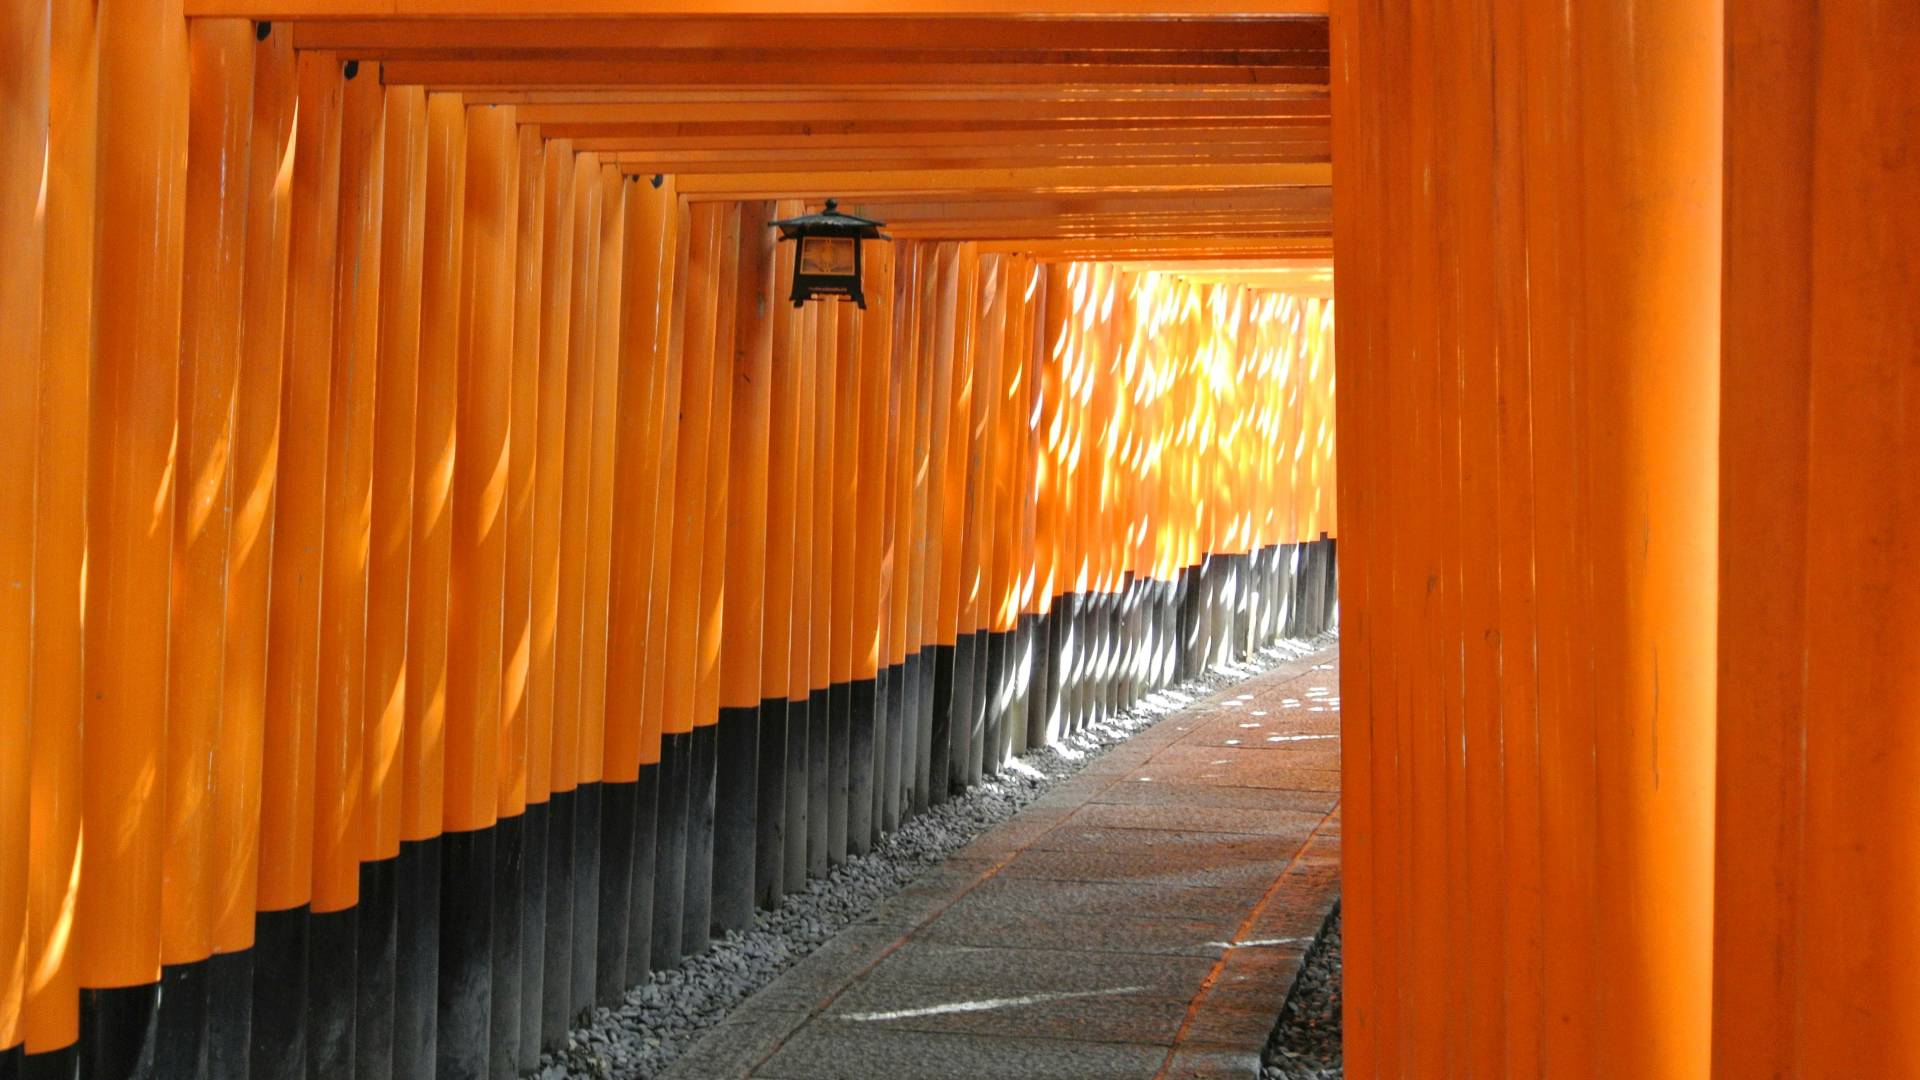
(1232, 846)
(737, 1044)
(833, 1051)
(1003, 928)
(1207, 1063)
(1138, 1017)
(1226, 907)
(1199, 819)
(1148, 867)
(1163, 788)
(1030, 971)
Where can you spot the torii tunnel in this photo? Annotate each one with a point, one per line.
(443, 580)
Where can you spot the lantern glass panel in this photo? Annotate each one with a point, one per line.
(828, 255)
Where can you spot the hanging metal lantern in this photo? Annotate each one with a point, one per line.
(826, 256)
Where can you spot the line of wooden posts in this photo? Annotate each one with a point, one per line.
(447, 582)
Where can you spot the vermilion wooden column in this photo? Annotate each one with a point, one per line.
(851, 370)
(389, 557)
(660, 599)
(423, 760)
(776, 627)
(713, 530)
(25, 45)
(1815, 926)
(1528, 248)
(682, 620)
(750, 367)
(341, 686)
(630, 804)
(50, 1012)
(804, 355)
(871, 575)
(130, 494)
(569, 907)
(550, 822)
(820, 665)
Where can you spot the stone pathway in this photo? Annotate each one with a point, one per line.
(1143, 919)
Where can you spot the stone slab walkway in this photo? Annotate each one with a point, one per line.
(1142, 919)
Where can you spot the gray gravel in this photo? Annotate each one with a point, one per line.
(665, 1016)
(1305, 1044)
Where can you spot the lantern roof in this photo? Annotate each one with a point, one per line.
(830, 222)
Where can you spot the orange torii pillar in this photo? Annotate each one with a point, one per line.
(953, 658)
(516, 1013)
(664, 593)
(697, 931)
(639, 579)
(49, 1018)
(831, 831)
(813, 850)
(569, 902)
(926, 527)
(866, 696)
(681, 626)
(1815, 925)
(1529, 263)
(287, 795)
(799, 640)
(25, 56)
(909, 265)
(750, 369)
(549, 905)
(596, 912)
(776, 619)
(978, 608)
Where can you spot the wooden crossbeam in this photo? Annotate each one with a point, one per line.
(413, 38)
(567, 70)
(558, 9)
(853, 185)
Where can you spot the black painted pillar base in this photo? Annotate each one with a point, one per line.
(947, 760)
(670, 850)
(556, 1000)
(770, 806)
(230, 1017)
(181, 1048)
(379, 938)
(333, 965)
(585, 879)
(466, 954)
(862, 697)
(918, 769)
(615, 934)
(119, 1031)
(280, 981)
(509, 869)
(819, 782)
(533, 932)
(697, 922)
(793, 861)
(978, 751)
(736, 800)
(1047, 673)
(839, 766)
(903, 705)
(640, 919)
(994, 702)
(416, 963)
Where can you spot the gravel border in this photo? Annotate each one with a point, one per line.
(1305, 1044)
(663, 1017)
